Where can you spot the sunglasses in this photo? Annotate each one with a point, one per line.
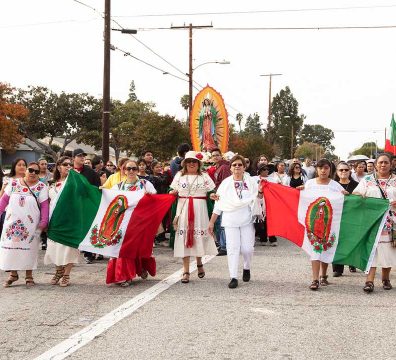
(66, 164)
(342, 170)
(297, 167)
(237, 164)
(191, 161)
(133, 168)
(34, 171)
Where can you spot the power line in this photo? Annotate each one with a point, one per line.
(55, 22)
(258, 11)
(305, 28)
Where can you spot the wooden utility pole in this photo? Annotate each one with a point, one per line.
(190, 61)
(106, 85)
(270, 97)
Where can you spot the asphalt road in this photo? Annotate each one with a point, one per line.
(274, 316)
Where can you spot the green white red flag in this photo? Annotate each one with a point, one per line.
(336, 228)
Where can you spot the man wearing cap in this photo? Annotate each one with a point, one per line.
(92, 177)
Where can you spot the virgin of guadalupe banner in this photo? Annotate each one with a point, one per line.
(209, 121)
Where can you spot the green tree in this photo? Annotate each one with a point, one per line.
(52, 115)
(185, 103)
(132, 95)
(369, 149)
(310, 150)
(317, 134)
(286, 122)
(253, 125)
(239, 118)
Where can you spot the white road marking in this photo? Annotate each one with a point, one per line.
(264, 311)
(84, 336)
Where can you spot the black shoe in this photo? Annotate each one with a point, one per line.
(100, 257)
(246, 275)
(233, 283)
(352, 269)
(88, 260)
(222, 252)
(43, 246)
(337, 274)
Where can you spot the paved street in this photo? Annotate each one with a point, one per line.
(275, 316)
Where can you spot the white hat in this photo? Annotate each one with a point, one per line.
(228, 155)
(193, 155)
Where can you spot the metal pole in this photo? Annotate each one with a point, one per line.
(106, 84)
(269, 101)
(190, 74)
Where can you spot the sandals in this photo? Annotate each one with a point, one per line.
(202, 273)
(58, 275)
(124, 284)
(314, 285)
(323, 280)
(368, 287)
(65, 281)
(29, 281)
(144, 274)
(386, 284)
(12, 278)
(186, 278)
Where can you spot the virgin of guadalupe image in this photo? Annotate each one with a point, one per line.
(113, 218)
(319, 229)
(207, 125)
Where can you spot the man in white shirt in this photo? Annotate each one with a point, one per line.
(308, 168)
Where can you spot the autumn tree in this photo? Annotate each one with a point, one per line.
(310, 150)
(286, 122)
(10, 116)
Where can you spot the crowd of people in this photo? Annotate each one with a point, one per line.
(219, 209)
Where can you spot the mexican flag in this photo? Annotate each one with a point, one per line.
(336, 228)
(109, 222)
(390, 144)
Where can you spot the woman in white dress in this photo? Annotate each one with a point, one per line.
(61, 255)
(26, 217)
(322, 182)
(381, 184)
(237, 200)
(192, 219)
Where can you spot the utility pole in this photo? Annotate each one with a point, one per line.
(291, 141)
(106, 85)
(190, 60)
(270, 97)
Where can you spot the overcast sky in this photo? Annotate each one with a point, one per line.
(343, 79)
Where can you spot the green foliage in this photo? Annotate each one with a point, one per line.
(185, 103)
(286, 123)
(310, 150)
(253, 125)
(317, 134)
(369, 149)
(239, 118)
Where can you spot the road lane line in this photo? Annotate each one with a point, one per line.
(89, 333)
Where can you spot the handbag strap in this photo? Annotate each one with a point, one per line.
(34, 195)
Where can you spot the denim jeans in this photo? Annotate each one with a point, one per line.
(220, 234)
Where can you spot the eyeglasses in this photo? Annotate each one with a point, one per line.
(34, 171)
(133, 168)
(191, 161)
(342, 170)
(297, 167)
(237, 164)
(109, 165)
(66, 164)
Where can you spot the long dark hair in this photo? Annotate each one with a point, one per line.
(323, 162)
(291, 169)
(57, 174)
(14, 164)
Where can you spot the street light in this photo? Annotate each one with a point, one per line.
(190, 80)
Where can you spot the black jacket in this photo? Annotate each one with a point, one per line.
(91, 175)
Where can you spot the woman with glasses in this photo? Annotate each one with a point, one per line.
(322, 182)
(237, 202)
(120, 270)
(249, 167)
(382, 185)
(296, 177)
(61, 255)
(191, 221)
(118, 176)
(343, 177)
(26, 217)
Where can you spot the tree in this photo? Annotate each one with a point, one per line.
(253, 125)
(162, 133)
(369, 149)
(52, 115)
(132, 95)
(239, 118)
(317, 134)
(185, 103)
(286, 123)
(310, 150)
(10, 115)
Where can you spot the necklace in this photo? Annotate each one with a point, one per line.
(239, 186)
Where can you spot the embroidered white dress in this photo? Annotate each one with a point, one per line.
(385, 254)
(194, 186)
(20, 238)
(57, 253)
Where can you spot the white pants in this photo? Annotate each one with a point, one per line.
(239, 240)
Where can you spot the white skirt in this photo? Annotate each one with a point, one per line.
(60, 255)
(385, 254)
